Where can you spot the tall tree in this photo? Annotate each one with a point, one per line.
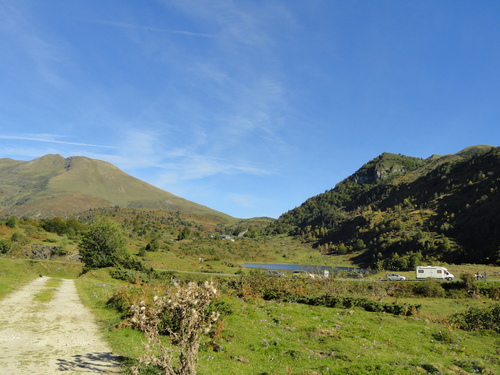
(103, 245)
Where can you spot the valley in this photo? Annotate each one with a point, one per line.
(393, 214)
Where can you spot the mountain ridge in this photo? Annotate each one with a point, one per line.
(443, 208)
(52, 185)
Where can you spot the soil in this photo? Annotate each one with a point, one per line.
(60, 336)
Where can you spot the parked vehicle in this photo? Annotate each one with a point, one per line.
(433, 272)
(394, 277)
(303, 275)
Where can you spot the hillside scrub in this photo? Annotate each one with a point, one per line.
(479, 319)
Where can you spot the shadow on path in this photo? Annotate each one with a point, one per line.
(99, 363)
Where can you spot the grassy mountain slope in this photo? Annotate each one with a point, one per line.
(55, 186)
(396, 211)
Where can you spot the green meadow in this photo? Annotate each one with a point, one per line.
(258, 335)
(277, 326)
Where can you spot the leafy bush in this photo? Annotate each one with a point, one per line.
(430, 288)
(61, 227)
(446, 337)
(5, 246)
(129, 275)
(467, 280)
(365, 303)
(125, 297)
(475, 319)
(135, 271)
(104, 246)
(20, 238)
(11, 222)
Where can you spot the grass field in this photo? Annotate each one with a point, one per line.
(273, 337)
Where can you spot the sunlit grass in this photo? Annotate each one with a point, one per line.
(288, 338)
(15, 273)
(269, 337)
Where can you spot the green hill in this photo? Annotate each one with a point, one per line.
(55, 186)
(396, 211)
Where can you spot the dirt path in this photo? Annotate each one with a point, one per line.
(60, 336)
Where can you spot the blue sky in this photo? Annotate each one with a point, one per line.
(247, 107)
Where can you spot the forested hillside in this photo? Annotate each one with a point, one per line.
(397, 211)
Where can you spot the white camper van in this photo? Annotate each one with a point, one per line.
(434, 272)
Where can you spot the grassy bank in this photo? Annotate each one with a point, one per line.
(258, 336)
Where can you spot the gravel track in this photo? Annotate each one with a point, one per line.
(60, 336)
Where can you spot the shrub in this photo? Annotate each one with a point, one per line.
(127, 296)
(490, 290)
(5, 246)
(362, 302)
(19, 238)
(446, 337)
(103, 245)
(430, 288)
(188, 308)
(467, 280)
(11, 222)
(54, 225)
(475, 319)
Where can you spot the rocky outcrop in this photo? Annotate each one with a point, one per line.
(44, 252)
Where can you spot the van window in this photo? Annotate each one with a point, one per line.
(420, 271)
(439, 271)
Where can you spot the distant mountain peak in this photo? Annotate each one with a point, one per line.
(385, 166)
(52, 185)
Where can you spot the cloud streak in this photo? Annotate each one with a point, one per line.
(46, 53)
(41, 138)
(154, 29)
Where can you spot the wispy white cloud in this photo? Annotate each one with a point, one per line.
(172, 168)
(45, 53)
(156, 150)
(245, 81)
(244, 200)
(49, 139)
(154, 29)
(242, 23)
(217, 111)
(200, 167)
(27, 153)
